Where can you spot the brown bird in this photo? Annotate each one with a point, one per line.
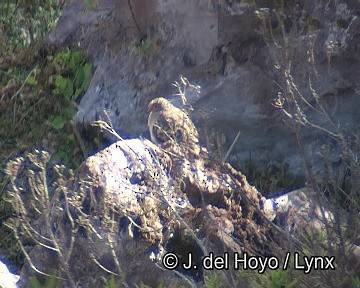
(168, 123)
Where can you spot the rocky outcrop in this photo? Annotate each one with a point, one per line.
(140, 49)
(130, 204)
(135, 194)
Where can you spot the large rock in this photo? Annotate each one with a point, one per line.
(134, 201)
(220, 48)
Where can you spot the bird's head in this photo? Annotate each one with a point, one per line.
(158, 104)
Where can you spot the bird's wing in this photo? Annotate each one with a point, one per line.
(164, 128)
(187, 128)
(184, 127)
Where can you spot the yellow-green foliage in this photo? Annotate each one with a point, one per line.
(71, 80)
(40, 107)
(111, 283)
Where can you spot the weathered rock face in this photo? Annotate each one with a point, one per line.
(220, 48)
(134, 200)
(176, 199)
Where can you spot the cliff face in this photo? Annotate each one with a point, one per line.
(238, 52)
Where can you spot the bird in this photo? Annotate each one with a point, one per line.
(169, 123)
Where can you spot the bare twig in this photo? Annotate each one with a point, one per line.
(231, 147)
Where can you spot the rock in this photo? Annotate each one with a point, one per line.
(147, 201)
(7, 279)
(137, 59)
(303, 212)
(299, 209)
(132, 202)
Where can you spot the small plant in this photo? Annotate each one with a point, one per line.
(147, 46)
(112, 282)
(356, 282)
(73, 74)
(50, 282)
(72, 79)
(215, 142)
(274, 279)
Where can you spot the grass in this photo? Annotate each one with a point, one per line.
(39, 91)
(37, 112)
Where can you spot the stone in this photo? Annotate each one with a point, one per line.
(228, 57)
(128, 194)
(7, 279)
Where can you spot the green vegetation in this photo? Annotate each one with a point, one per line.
(111, 283)
(274, 279)
(39, 88)
(72, 64)
(72, 78)
(50, 282)
(147, 46)
(37, 109)
(22, 22)
(356, 282)
(37, 105)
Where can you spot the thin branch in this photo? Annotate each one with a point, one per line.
(23, 84)
(231, 147)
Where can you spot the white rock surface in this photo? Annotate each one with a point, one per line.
(7, 279)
